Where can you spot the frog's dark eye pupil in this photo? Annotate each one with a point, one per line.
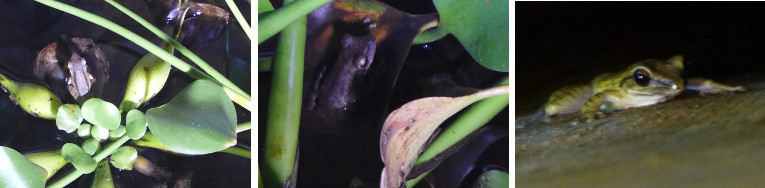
(642, 77)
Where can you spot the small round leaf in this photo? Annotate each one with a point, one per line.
(124, 157)
(101, 113)
(84, 130)
(199, 120)
(78, 157)
(136, 124)
(91, 146)
(68, 117)
(18, 171)
(99, 133)
(117, 133)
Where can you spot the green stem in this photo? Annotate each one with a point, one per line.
(238, 15)
(238, 152)
(185, 51)
(177, 63)
(430, 35)
(264, 6)
(272, 23)
(264, 64)
(284, 105)
(473, 118)
(108, 150)
(243, 127)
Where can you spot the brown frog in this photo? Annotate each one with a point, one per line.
(77, 64)
(333, 89)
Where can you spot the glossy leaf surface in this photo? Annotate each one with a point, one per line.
(136, 124)
(199, 120)
(482, 28)
(101, 113)
(18, 171)
(68, 117)
(78, 157)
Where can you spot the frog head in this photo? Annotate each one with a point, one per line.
(654, 77)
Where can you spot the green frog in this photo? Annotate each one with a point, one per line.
(641, 84)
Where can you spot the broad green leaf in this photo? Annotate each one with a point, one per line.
(18, 171)
(124, 157)
(81, 160)
(84, 130)
(482, 28)
(52, 161)
(136, 124)
(68, 117)
(407, 128)
(493, 178)
(101, 113)
(103, 177)
(199, 120)
(91, 146)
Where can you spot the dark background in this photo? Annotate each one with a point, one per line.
(565, 43)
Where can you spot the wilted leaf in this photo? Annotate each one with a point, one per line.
(407, 128)
(17, 171)
(200, 120)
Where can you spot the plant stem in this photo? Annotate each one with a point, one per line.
(238, 15)
(277, 20)
(185, 51)
(284, 105)
(177, 63)
(238, 152)
(243, 127)
(473, 118)
(108, 150)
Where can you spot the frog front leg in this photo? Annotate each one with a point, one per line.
(707, 86)
(592, 106)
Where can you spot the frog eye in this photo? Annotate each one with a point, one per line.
(642, 77)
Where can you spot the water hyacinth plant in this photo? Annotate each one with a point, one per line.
(158, 109)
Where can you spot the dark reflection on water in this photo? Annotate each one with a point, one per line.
(28, 26)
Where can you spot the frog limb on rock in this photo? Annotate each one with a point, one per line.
(641, 84)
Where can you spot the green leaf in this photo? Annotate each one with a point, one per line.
(136, 124)
(101, 113)
(68, 117)
(91, 146)
(124, 157)
(52, 161)
(199, 120)
(482, 28)
(78, 157)
(17, 171)
(117, 133)
(493, 178)
(84, 130)
(99, 133)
